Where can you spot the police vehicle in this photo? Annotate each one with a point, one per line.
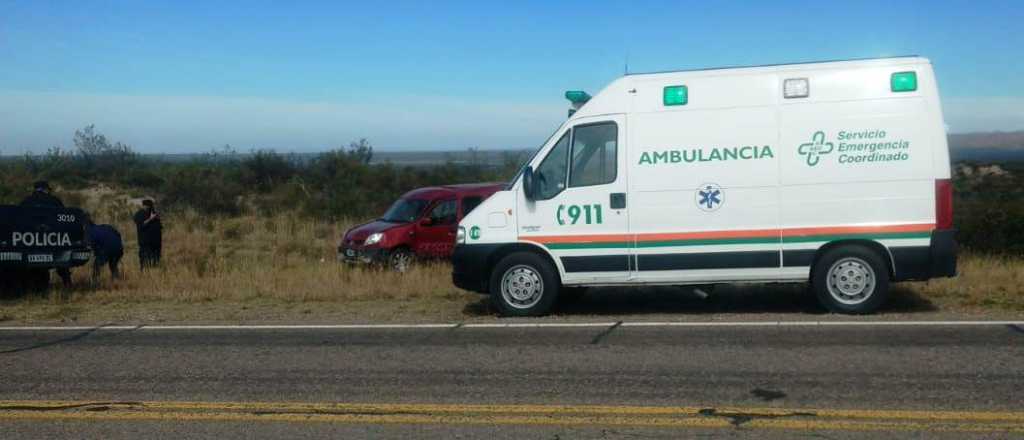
(35, 239)
(832, 173)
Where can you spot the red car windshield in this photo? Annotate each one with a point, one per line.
(405, 210)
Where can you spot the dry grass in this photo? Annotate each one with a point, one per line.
(229, 268)
(281, 268)
(986, 282)
(247, 259)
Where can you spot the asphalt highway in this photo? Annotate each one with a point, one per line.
(614, 380)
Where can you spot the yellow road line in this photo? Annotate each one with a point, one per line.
(554, 415)
(384, 408)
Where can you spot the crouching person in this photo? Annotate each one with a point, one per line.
(107, 249)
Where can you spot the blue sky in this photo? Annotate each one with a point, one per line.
(188, 76)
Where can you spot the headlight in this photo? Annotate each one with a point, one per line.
(460, 236)
(374, 238)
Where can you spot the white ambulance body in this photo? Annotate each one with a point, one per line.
(832, 173)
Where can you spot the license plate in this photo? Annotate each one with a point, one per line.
(40, 258)
(350, 252)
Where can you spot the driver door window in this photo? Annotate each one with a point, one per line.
(444, 214)
(594, 149)
(550, 176)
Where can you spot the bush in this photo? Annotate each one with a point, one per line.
(989, 205)
(204, 189)
(264, 170)
(142, 178)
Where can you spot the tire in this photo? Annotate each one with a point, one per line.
(11, 282)
(850, 279)
(401, 260)
(524, 284)
(38, 280)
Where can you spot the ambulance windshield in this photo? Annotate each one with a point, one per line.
(530, 159)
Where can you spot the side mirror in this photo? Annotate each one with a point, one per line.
(528, 187)
(426, 221)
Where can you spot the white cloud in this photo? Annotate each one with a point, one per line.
(35, 121)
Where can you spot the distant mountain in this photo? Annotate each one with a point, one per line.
(996, 146)
(991, 139)
(491, 158)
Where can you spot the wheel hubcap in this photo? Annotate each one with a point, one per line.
(522, 287)
(402, 261)
(851, 281)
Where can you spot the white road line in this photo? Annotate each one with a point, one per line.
(539, 325)
(821, 323)
(508, 325)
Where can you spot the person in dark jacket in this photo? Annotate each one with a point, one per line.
(107, 248)
(150, 233)
(41, 197)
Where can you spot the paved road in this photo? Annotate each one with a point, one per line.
(555, 382)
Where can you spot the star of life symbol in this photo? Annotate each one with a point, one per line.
(815, 148)
(709, 197)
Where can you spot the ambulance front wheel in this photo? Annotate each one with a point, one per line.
(524, 284)
(850, 279)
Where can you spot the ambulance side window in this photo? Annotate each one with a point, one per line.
(594, 154)
(550, 175)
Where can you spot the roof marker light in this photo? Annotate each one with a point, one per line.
(796, 88)
(903, 81)
(675, 95)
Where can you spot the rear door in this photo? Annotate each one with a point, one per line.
(580, 212)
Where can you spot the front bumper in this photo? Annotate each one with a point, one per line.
(471, 266)
(362, 255)
(20, 258)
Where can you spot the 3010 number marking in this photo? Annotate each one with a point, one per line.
(587, 214)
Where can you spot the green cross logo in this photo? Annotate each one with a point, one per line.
(474, 233)
(815, 148)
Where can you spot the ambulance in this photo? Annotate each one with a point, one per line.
(835, 174)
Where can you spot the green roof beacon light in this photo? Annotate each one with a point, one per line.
(903, 81)
(577, 98)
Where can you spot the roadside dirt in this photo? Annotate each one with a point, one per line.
(741, 303)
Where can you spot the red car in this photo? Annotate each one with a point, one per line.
(421, 224)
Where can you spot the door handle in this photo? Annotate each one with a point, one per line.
(617, 200)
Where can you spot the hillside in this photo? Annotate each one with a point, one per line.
(996, 146)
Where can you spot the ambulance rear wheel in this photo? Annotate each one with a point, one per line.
(524, 284)
(850, 279)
